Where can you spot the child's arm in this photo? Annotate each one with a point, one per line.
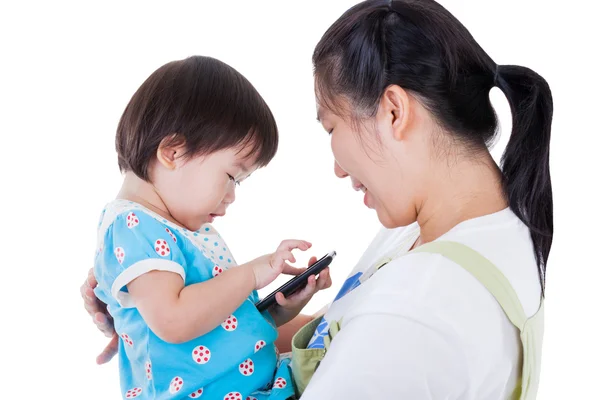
(178, 313)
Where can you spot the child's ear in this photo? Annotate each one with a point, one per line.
(169, 151)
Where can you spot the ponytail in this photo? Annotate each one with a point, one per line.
(525, 162)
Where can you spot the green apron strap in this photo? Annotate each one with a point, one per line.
(485, 272)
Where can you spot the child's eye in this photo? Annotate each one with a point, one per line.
(231, 178)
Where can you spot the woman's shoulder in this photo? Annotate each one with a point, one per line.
(506, 241)
(500, 237)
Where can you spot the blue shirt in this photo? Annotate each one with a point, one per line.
(237, 358)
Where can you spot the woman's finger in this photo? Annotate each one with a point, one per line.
(307, 291)
(90, 296)
(312, 260)
(323, 279)
(83, 291)
(91, 279)
(109, 351)
(89, 308)
(281, 300)
(104, 323)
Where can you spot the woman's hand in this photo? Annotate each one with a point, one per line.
(288, 308)
(100, 316)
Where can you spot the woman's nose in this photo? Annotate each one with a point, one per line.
(339, 172)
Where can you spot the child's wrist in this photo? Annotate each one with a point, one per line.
(250, 275)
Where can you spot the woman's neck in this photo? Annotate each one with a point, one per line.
(463, 190)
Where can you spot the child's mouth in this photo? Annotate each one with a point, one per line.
(214, 216)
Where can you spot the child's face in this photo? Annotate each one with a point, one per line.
(199, 189)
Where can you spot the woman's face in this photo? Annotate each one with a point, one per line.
(382, 155)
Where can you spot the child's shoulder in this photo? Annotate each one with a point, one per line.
(128, 213)
(126, 217)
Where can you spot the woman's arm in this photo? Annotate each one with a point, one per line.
(287, 332)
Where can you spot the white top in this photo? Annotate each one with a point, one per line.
(422, 327)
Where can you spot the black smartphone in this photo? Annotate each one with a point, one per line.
(297, 282)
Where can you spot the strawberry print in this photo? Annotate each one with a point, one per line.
(217, 271)
(247, 367)
(132, 220)
(132, 393)
(251, 398)
(172, 235)
(148, 370)
(230, 324)
(259, 345)
(120, 254)
(127, 339)
(233, 396)
(162, 248)
(201, 354)
(196, 394)
(280, 383)
(176, 385)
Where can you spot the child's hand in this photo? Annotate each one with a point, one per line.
(290, 307)
(270, 266)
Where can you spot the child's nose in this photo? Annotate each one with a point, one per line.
(230, 195)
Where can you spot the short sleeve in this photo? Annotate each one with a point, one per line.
(134, 244)
(396, 342)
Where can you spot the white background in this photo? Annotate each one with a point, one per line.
(67, 72)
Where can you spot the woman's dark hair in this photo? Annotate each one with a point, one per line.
(200, 102)
(419, 46)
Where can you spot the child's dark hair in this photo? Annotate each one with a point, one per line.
(419, 46)
(200, 102)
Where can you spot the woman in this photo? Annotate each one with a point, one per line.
(403, 90)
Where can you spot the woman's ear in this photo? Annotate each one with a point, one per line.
(395, 103)
(169, 151)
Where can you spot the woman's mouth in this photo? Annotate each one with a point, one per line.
(367, 198)
(360, 187)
